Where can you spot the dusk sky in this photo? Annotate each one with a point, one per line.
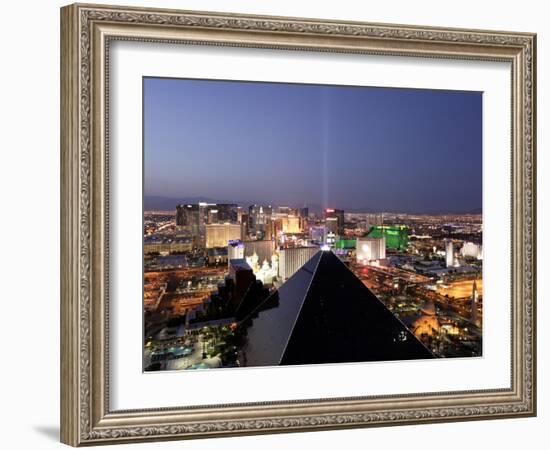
(354, 148)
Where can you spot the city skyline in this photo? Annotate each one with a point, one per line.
(292, 224)
(356, 148)
(162, 204)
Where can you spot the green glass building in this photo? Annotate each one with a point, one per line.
(343, 244)
(397, 236)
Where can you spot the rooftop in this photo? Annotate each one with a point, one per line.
(240, 264)
(325, 314)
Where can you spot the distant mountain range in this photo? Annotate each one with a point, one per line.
(422, 211)
(156, 203)
(159, 203)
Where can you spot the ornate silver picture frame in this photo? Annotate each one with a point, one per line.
(87, 32)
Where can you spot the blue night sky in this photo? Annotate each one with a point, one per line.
(356, 148)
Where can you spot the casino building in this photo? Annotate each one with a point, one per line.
(324, 314)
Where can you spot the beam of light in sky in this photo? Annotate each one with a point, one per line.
(325, 136)
(347, 147)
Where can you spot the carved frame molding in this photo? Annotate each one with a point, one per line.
(86, 32)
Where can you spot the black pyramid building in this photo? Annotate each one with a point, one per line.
(325, 314)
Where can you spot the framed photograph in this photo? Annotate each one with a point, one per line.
(275, 224)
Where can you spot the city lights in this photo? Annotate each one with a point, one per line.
(201, 270)
(284, 228)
